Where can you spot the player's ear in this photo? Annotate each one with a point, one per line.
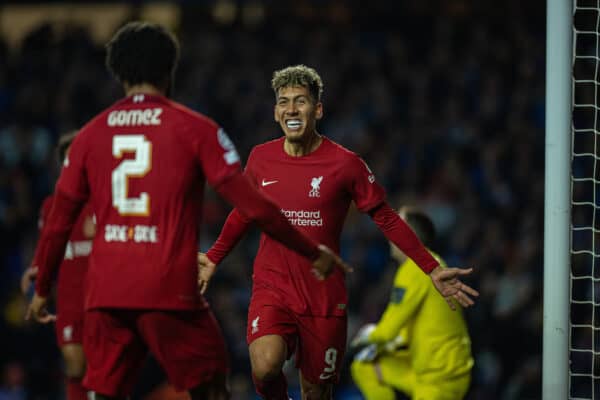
(275, 113)
(319, 110)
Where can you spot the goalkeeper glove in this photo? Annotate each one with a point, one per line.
(362, 336)
(367, 354)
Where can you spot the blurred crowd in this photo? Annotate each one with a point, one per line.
(444, 100)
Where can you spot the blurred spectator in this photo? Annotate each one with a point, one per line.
(13, 382)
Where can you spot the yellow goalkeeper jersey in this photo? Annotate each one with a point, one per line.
(417, 316)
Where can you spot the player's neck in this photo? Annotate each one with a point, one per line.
(143, 88)
(299, 149)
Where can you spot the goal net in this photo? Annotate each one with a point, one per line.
(584, 342)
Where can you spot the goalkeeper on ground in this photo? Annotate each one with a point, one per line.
(420, 347)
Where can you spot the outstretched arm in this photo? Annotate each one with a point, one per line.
(30, 274)
(233, 230)
(220, 163)
(398, 232)
(51, 250)
(239, 192)
(235, 227)
(445, 280)
(253, 206)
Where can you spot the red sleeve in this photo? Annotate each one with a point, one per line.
(73, 179)
(235, 227)
(399, 233)
(251, 204)
(51, 246)
(44, 211)
(366, 193)
(218, 156)
(249, 169)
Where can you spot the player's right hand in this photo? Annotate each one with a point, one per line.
(27, 279)
(38, 309)
(323, 266)
(451, 288)
(206, 270)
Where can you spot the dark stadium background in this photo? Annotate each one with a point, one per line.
(444, 99)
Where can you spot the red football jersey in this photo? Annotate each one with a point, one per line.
(143, 163)
(314, 193)
(73, 268)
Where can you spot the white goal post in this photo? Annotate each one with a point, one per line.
(557, 204)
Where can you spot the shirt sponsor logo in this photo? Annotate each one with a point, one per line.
(75, 249)
(148, 117)
(303, 217)
(315, 184)
(136, 234)
(231, 156)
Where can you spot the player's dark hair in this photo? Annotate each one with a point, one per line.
(143, 52)
(298, 75)
(64, 141)
(421, 224)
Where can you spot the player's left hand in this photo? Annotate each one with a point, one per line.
(206, 270)
(447, 283)
(38, 309)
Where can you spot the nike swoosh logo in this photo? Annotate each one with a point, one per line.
(267, 183)
(325, 376)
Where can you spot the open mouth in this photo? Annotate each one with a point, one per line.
(293, 124)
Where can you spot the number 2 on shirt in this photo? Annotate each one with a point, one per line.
(131, 168)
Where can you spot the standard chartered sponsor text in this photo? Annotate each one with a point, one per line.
(303, 217)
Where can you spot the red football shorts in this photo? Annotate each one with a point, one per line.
(189, 345)
(69, 326)
(319, 343)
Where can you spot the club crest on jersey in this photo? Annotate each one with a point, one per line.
(315, 184)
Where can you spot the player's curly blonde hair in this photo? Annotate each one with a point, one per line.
(298, 75)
